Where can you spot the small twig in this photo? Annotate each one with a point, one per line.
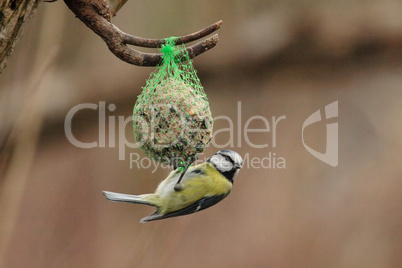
(96, 15)
(155, 43)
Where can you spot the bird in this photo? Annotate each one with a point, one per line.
(203, 186)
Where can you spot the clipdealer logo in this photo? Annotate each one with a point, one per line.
(108, 124)
(330, 156)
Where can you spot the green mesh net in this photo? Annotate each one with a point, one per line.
(171, 119)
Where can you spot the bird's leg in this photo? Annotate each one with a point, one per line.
(178, 186)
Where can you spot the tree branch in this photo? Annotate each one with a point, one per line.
(96, 14)
(13, 15)
(154, 43)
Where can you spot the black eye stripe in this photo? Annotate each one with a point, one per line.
(228, 158)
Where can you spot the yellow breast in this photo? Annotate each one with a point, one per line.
(208, 182)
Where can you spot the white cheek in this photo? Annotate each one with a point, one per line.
(221, 163)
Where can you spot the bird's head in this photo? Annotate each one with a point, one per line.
(227, 162)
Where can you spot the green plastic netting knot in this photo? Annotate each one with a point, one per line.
(170, 51)
(167, 49)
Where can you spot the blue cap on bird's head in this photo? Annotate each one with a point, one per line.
(227, 162)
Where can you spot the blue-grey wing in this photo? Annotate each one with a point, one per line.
(199, 205)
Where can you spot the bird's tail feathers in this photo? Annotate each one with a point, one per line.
(151, 217)
(146, 199)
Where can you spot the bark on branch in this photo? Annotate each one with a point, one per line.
(96, 14)
(13, 15)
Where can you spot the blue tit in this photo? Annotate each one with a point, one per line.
(203, 186)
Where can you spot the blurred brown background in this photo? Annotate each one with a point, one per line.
(286, 58)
